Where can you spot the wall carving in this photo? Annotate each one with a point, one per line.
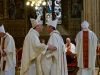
(17, 28)
(73, 22)
(19, 24)
(76, 7)
(1, 8)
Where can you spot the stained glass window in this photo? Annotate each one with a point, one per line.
(39, 11)
(49, 12)
(57, 10)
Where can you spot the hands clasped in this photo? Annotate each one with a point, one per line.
(3, 53)
(51, 47)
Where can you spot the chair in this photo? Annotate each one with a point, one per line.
(98, 58)
(18, 60)
(19, 57)
(72, 67)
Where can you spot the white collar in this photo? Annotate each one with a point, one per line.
(5, 36)
(33, 30)
(54, 31)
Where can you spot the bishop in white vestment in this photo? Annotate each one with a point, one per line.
(8, 53)
(86, 44)
(32, 48)
(54, 62)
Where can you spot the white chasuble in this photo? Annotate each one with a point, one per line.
(54, 62)
(8, 67)
(86, 65)
(31, 56)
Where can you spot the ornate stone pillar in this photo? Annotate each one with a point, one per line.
(6, 15)
(91, 13)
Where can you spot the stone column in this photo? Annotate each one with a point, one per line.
(91, 13)
(6, 15)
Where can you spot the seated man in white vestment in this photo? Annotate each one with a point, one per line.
(70, 50)
(8, 53)
(86, 45)
(69, 46)
(54, 62)
(32, 48)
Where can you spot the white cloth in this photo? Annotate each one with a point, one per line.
(52, 23)
(10, 72)
(54, 62)
(85, 71)
(72, 48)
(85, 25)
(31, 70)
(2, 29)
(91, 50)
(32, 49)
(9, 48)
(36, 22)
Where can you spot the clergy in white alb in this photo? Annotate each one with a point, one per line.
(69, 46)
(70, 51)
(54, 62)
(32, 48)
(86, 44)
(8, 53)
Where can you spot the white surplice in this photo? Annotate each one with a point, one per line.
(31, 55)
(54, 62)
(10, 58)
(72, 48)
(91, 53)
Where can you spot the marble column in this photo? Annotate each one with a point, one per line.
(91, 13)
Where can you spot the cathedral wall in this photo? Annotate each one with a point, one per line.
(18, 24)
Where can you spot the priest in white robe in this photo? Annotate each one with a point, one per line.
(69, 46)
(86, 44)
(70, 51)
(54, 62)
(8, 53)
(32, 48)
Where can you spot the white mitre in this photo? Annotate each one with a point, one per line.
(36, 22)
(52, 23)
(85, 25)
(2, 29)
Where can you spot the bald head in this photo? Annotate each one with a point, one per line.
(68, 40)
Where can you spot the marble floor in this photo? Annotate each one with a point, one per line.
(96, 71)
